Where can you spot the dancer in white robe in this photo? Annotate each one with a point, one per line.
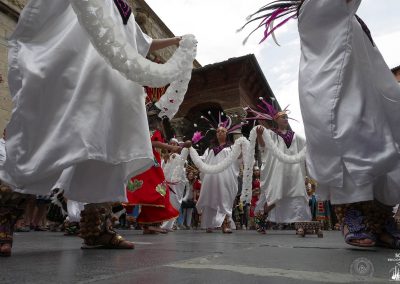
(283, 196)
(176, 183)
(218, 191)
(350, 105)
(283, 193)
(74, 113)
(357, 120)
(83, 103)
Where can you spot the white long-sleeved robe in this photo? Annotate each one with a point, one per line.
(218, 191)
(350, 104)
(177, 187)
(283, 184)
(72, 112)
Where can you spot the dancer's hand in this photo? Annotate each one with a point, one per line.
(187, 144)
(260, 139)
(177, 40)
(260, 130)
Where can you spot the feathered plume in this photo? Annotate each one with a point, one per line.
(284, 10)
(224, 120)
(197, 136)
(266, 111)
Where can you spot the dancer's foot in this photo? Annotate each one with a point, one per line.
(361, 239)
(261, 231)
(355, 232)
(387, 240)
(40, 229)
(226, 228)
(209, 230)
(71, 229)
(156, 230)
(390, 237)
(108, 241)
(146, 231)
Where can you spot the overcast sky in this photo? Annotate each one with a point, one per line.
(214, 23)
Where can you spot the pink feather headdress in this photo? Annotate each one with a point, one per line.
(224, 121)
(266, 111)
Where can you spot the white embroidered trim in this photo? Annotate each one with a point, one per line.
(108, 40)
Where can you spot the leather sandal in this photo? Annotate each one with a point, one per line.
(355, 231)
(108, 241)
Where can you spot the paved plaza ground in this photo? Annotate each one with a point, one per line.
(197, 257)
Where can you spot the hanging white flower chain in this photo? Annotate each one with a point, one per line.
(177, 166)
(108, 40)
(248, 163)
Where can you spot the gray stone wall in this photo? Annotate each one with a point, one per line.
(7, 25)
(152, 26)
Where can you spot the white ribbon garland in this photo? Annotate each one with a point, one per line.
(241, 145)
(275, 151)
(270, 144)
(223, 165)
(107, 38)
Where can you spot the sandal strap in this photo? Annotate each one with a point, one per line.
(353, 219)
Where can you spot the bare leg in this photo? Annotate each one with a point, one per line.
(39, 214)
(226, 226)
